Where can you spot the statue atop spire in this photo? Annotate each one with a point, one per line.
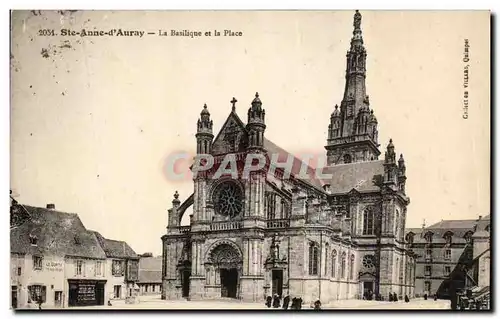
(357, 20)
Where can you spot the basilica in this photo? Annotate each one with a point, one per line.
(341, 237)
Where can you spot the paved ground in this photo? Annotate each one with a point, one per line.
(157, 303)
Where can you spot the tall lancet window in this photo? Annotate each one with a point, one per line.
(368, 222)
(343, 266)
(313, 259)
(334, 263)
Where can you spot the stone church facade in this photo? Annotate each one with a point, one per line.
(314, 237)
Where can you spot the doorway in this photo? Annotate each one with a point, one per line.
(368, 290)
(14, 297)
(277, 277)
(229, 282)
(117, 289)
(58, 299)
(186, 275)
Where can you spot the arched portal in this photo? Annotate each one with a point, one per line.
(225, 263)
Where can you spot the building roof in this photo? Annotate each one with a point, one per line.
(150, 269)
(149, 276)
(362, 176)
(57, 233)
(458, 228)
(115, 248)
(150, 263)
(483, 223)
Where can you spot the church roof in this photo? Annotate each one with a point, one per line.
(297, 164)
(57, 233)
(360, 176)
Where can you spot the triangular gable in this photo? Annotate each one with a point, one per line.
(366, 276)
(232, 136)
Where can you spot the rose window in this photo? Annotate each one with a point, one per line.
(229, 200)
(368, 261)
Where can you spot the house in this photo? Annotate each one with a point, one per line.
(122, 268)
(150, 275)
(54, 259)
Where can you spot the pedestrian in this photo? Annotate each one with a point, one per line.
(294, 304)
(269, 300)
(109, 303)
(425, 296)
(395, 297)
(478, 304)
(317, 305)
(390, 296)
(299, 303)
(286, 301)
(276, 301)
(435, 297)
(40, 301)
(407, 299)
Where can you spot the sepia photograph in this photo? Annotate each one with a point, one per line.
(250, 160)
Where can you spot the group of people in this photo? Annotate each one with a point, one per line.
(275, 302)
(369, 295)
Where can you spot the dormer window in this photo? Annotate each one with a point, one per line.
(468, 237)
(77, 240)
(448, 237)
(347, 159)
(409, 238)
(428, 237)
(33, 240)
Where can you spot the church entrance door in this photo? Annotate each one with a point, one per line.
(277, 282)
(229, 282)
(227, 262)
(368, 289)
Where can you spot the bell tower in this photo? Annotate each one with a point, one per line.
(353, 132)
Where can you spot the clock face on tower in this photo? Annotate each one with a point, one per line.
(228, 200)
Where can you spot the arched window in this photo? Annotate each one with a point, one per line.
(396, 270)
(334, 263)
(343, 265)
(327, 248)
(401, 271)
(351, 268)
(313, 259)
(396, 223)
(368, 222)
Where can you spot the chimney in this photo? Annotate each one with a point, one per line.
(480, 217)
(51, 206)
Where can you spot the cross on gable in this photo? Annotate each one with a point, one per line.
(233, 102)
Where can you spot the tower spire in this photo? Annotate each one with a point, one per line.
(353, 136)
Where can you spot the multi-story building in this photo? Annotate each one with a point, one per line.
(53, 259)
(122, 268)
(478, 280)
(444, 250)
(149, 275)
(284, 232)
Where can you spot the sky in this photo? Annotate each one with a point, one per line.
(94, 118)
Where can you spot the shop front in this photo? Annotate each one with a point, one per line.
(86, 292)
